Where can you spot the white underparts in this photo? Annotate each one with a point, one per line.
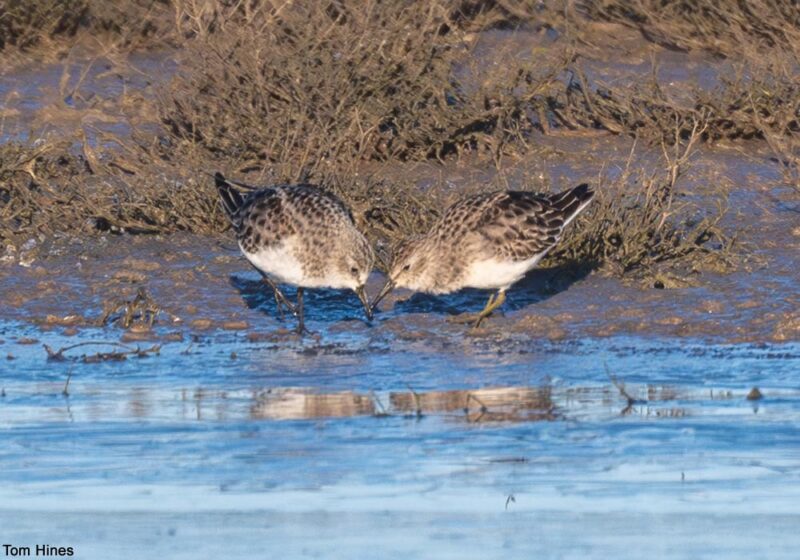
(282, 266)
(498, 274)
(279, 263)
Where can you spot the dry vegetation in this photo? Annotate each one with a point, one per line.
(47, 188)
(286, 91)
(375, 81)
(641, 230)
(761, 38)
(49, 28)
(748, 106)
(724, 28)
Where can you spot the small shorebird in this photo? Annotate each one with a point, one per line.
(485, 241)
(298, 235)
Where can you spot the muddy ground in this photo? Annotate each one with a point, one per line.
(200, 283)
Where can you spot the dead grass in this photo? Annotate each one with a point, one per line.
(760, 99)
(723, 28)
(47, 188)
(650, 232)
(745, 106)
(25, 24)
(376, 81)
(50, 28)
(28, 197)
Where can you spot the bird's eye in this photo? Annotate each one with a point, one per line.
(354, 270)
(407, 268)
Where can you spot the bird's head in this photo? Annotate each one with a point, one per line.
(407, 269)
(353, 269)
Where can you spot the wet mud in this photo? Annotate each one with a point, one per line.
(199, 283)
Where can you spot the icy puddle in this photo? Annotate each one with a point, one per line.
(223, 447)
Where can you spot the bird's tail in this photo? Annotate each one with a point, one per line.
(570, 202)
(231, 198)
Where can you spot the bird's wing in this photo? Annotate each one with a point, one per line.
(520, 225)
(262, 220)
(315, 205)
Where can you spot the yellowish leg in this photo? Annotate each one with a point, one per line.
(494, 302)
(468, 317)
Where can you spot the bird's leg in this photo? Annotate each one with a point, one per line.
(469, 317)
(280, 299)
(493, 303)
(278, 305)
(301, 327)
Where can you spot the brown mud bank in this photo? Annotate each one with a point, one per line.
(153, 288)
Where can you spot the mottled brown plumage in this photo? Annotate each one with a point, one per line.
(486, 241)
(299, 235)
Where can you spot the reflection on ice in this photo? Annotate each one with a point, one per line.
(295, 404)
(496, 404)
(109, 402)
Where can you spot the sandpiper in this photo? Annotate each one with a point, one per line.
(485, 241)
(298, 235)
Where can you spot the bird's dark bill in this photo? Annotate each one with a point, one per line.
(362, 295)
